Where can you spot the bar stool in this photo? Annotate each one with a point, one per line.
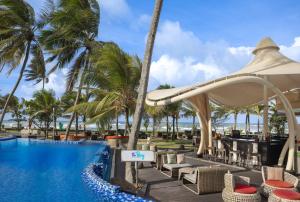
(254, 158)
(234, 154)
(221, 151)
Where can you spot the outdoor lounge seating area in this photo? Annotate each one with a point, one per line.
(229, 181)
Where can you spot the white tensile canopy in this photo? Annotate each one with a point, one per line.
(268, 75)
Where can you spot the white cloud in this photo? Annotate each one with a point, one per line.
(178, 72)
(115, 8)
(181, 58)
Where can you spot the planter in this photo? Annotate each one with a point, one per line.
(116, 141)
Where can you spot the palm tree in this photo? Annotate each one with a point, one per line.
(67, 100)
(116, 75)
(138, 113)
(168, 107)
(277, 120)
(37, 67)
(174, 111)
(219, 114)
(70, 37)
(188, 111)
(156, 113)
(17, 37)
(40, 109)
(248, 110)
(235, 112)
(16, 109)
(258, 109)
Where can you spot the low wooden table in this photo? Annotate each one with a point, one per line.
(186, 170)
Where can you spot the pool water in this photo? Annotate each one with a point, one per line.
(45, 172)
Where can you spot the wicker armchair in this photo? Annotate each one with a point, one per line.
(158, 158)
(208, 179)
(290, 182)
(245, 193)
(282, 195)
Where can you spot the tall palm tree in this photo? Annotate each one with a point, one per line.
(116, 75)
(156, 113)
(167, 111)
(70, 38)
(138, 113)
(235, 112)
(16, 109)
(40, 109)
(248, 110)
(37, 67)
(188, 111)
(219, 114)
(67, 100)
(18, 35)
(258, 109)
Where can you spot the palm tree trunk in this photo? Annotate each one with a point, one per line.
(43, 84)
(246, 124)
(153, 126)
(76, 123)
(173, 124)
(167, 127)
(138, 113)
(127, 121)
(177, 130)
(193, 127)
(75, 103)
(83, 120)
(117, 123)
(258, 124)
(17, 83)
(235, 121)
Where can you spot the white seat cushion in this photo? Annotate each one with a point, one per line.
(172, 166)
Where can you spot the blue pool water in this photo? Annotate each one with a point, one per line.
(45, 172)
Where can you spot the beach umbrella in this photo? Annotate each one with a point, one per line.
(267, 76)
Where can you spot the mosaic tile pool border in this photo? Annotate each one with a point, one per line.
(11, 137)
(104, 189)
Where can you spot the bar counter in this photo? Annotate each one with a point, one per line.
(269, 150)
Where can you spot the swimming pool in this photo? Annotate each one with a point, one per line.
(31, 171)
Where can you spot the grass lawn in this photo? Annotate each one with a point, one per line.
(168, 144)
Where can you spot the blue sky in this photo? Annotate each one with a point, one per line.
(196, 40)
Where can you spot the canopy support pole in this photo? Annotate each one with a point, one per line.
(201, 104)
(265, 112)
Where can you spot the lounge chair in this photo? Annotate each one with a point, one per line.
(171, 168)
(208, 179)
(287, 181)
(237, 188)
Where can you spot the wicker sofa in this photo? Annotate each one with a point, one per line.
(208, 179)
(237, 188)
(172, 169)
(290, 182)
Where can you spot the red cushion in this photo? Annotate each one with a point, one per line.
(287, 194)
(279, 184)
(244, 189)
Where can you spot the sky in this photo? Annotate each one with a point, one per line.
(197, 40)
